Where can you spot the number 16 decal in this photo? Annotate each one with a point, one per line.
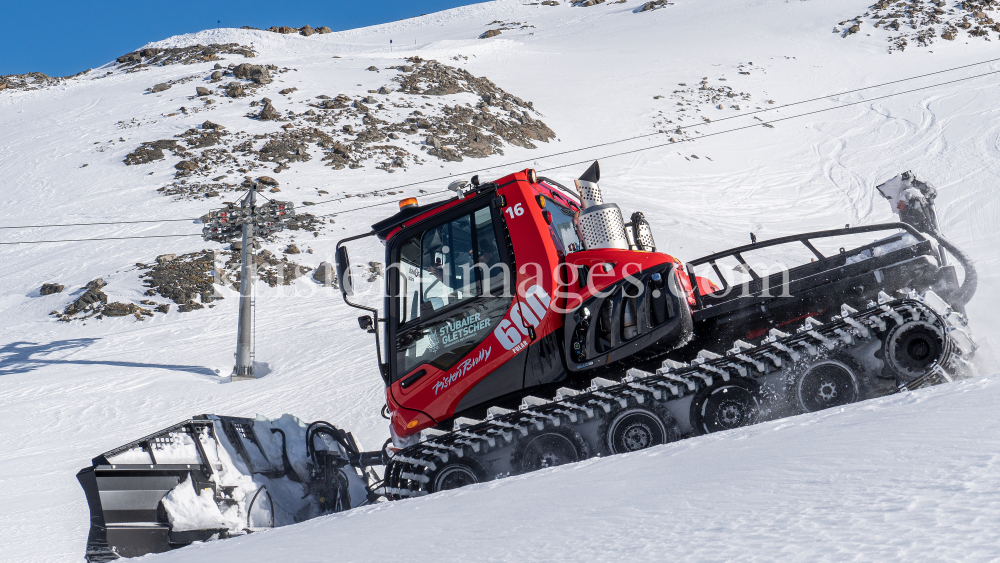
(515, 211)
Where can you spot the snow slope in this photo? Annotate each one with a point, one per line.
(905, 478)
(71, 391)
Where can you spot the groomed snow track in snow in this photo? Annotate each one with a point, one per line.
(411, 471)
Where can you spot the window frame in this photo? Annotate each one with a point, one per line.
(469, 208)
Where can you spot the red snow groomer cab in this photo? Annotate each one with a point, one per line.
(479, 286)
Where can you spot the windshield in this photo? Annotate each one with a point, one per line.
(563, 227)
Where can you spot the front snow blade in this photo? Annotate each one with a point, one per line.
(214, 477)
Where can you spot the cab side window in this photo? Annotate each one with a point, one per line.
(449, 264)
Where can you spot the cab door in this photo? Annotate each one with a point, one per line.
(450, 286)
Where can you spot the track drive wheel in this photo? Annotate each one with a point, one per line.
(549, 448)
(638, 427)
(725, 405)
(457, 473)
(911, 350)
(826, 382)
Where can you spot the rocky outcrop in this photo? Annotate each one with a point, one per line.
(29, 81)
(92, 298)
(152, 56)
(919, 22)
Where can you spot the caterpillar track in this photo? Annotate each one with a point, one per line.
(543, 432)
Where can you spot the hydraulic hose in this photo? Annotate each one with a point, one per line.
(971, 281)
(322, 427)
(288, 469)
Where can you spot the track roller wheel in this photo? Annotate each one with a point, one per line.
(827, 382)
(639, 427)
(911, 350)
(457, 473)
(549, 448)
(725, 405)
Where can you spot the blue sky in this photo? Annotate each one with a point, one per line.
(62, 37)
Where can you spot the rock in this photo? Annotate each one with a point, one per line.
(50, 288)
(164, 258)
(369, 100)
(97, 283)
(323, 29)
(92, 296)
(383, 90)
(433, 141)
(375, 269)
(150, 151)
(854, 29)
(256, 73)
(372, 68)
(292, 249)
(186, 165)
(287, 91)
(217, 75)
(550, 3)
(235, 90)
(446, 153)
(217, 66)
(948, 35)
(348, 129)
(268, 112)
(202, 91)
(406, 68)
(322, 97)
(393, 136)
(325, 275)
(283, 151)
(490, 33)
(160, 87)
(274, 190)
(267, 181)
(210, 125)
(190, 306)
(306, 30)
(119, 309)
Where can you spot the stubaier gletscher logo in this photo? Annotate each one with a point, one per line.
(528, 311)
